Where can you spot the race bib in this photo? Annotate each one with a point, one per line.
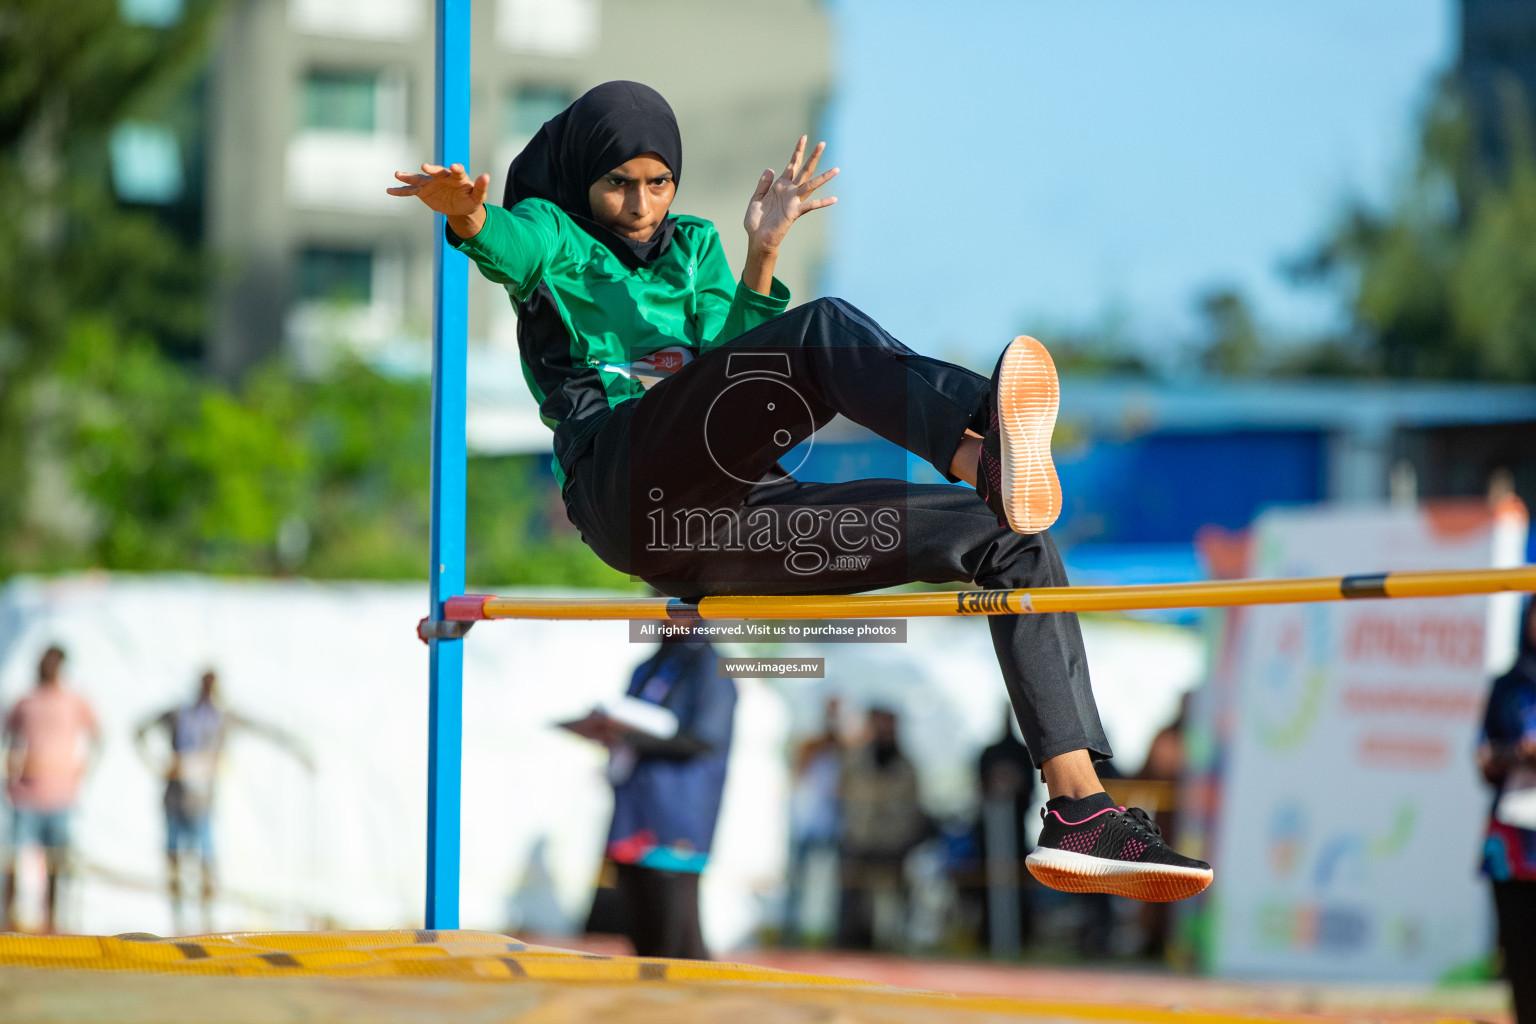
(654, 368)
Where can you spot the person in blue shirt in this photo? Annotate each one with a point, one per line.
(1507, 758)
(815, 819)
(666, 796)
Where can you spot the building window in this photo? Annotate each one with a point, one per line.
(351, 128)
(529, 106)
(342, 276)
(559, 28)
(146, 164)
(341, 101)
(357, 19)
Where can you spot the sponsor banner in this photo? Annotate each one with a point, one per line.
(1352, 813)
(838, 631)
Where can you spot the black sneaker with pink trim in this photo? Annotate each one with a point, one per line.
(989, 471)
(1090, 845)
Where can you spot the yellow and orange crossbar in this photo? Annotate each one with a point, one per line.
(1213, 594)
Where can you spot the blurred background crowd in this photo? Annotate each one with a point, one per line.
(1282, 254)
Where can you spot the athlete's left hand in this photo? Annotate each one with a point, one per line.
(779, 200)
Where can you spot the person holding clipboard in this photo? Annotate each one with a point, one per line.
(669, 738)
(1507, 758)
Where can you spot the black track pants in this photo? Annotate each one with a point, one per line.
(1515, 903)
(663, 911)
(683, 488)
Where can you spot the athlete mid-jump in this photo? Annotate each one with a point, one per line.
(675, 388)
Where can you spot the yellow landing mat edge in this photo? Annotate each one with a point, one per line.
(474, 956)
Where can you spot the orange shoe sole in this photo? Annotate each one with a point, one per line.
(1027, 401)
(1151, 883)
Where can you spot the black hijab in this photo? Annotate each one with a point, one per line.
(608, 125)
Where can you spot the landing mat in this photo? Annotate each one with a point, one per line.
(407, 977)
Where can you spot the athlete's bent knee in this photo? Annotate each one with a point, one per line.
(828, 305)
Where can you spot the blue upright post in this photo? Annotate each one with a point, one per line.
(450, 342)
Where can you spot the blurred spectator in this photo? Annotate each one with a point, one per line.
(1165, 757)
(1507, 757)
(813, 811)
(1096, 931)
(196, 733)
(666, 795)
(882, 822)
(1165, 763)
(51, 737)
(1006, 776)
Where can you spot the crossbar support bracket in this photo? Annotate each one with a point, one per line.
(437, 629)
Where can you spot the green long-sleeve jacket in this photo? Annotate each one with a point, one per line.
(585, 316)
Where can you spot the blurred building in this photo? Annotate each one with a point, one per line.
(1498, 66)
(285, 150)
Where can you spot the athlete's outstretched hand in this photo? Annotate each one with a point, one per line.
(780, 200)
(449, 191)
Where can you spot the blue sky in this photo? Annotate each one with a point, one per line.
(1019, 165)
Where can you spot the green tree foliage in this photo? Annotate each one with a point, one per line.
(150, 467)
(170, 473)
(69, 72)
(519, 534)
(1442, 284)
(1233, 347)
(1230, 344)
(113, 455)
(1101, 349)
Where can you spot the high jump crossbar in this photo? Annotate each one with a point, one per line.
(471, 608)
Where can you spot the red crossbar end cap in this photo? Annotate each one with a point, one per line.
(465, 608)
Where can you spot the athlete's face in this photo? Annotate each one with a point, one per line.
(634, 197)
